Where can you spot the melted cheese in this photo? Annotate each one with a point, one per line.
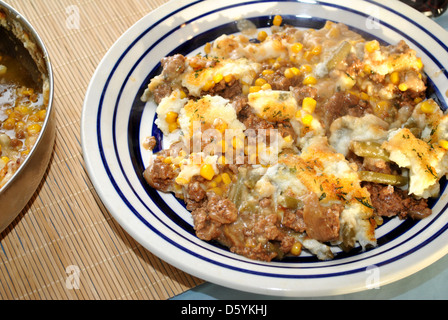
(273, 105)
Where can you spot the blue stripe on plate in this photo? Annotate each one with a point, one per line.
(149, 225)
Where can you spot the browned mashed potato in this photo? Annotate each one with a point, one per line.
(302, 140)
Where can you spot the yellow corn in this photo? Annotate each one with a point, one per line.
(296, 47)
(267, 72)
(419, 63)
(34, 129)
(316, 50)
(9, 124)
(266, 86)
(262, 35)
(428, 106)
(168, 160)
(171, 117)
(307, 119)
(394, 77)
(217, 78)
(443, 144)
(221, 125)
(226, 178)
(372, 46)
(310, 80)
(364, 96)
(288, 73)
(42, 114)
(217, 190)
(222, 160)
(172, 126)
(5, 159)
(296, 249)
(228, 78)
(403, 87)
(309, 104)
(208, 85)
(208, 47)
(207, 171)
(181, 181)
(260, 82)
(253, 89)
(306, 68)
(288, 139)
(277, 21)
(22, 109)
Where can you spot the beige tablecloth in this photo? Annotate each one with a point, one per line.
(65, 244)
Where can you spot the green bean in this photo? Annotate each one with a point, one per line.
(340, 54)
(383, 178)
(369, 150)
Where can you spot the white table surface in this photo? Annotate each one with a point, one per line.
(430, 283)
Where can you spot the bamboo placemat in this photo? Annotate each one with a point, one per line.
(65, 244)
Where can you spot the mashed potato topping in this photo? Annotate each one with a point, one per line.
(298, 141)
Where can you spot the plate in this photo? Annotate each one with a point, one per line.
(115, 122)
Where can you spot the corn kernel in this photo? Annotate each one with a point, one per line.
(309, 104)
(22, 109)
(428, 106)
(288, 73)
(237, 143)
(267, 72)
(171, 117)
(9, 124)
(208, 47)
(310, 80)
(253, 89)
(443, 144)
(262, 35)
(296, 47)
(42, 114)
(277, 21)
(208, 85)
(217, 190)
(5, 159)
(181, 181)
(217, 78)
(260, 82)
(307, 119)
(419, 63)
(183, 95)
(222, 160)
(296, 249)
(220, 125)
(228, 78)
(403, 87)
(372, 46)
(226, 178)
(394, 77)
(266, 86)
(34, 129)
(287, 139)
(418, 100)
(172, 127)
(316, 50)
(168, 160)
(364, 96)
(306, 68)
(207, 171)
(246, 89)
(217, 179)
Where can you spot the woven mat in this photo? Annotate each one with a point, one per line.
(65, 244)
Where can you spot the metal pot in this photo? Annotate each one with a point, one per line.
(20, 38)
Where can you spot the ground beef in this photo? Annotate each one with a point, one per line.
(227, 90)
(389, 202)
(163, 90)
(195, 195)
(342, 104)
(160, 175)
(173, 66)
(322, 223)
(294, 220)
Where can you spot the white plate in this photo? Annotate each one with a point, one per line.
(115, 121)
